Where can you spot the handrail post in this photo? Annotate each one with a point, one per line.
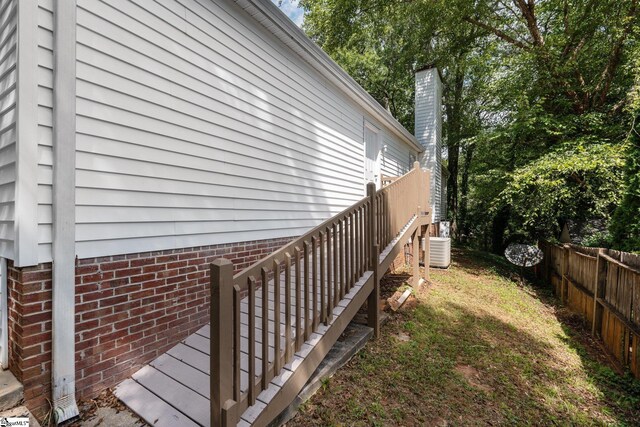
(373, 215)
(373, 303)
(221, 350)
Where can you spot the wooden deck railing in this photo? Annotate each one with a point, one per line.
(387, 179)
(302, 282)
(603, 286)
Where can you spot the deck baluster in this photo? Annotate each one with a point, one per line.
(287, 308)
(342, 258)
(336, 264)
(306, 290)
(252, 340)
(265, 328)
(329, 313)
(236, 343)
(277, 360)
(352, 252)
(314, 284)
(323, 269)
(298, 273)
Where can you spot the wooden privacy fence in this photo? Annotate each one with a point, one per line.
(263, 315)
(604, 286)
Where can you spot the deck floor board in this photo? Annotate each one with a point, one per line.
(150, 407)
(183, 373)
(179, 396)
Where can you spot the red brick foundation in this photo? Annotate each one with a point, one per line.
(30, 331)
(129, 309)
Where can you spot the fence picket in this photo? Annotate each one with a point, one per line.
(600, 285)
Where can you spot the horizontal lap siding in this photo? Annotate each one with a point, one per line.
(8, 73)
(45, 122)
(396, 159)
(196, 127)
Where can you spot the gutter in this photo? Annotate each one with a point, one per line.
(63, 379)
(277, 23)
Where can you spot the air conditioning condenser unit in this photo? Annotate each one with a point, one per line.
(440, 252)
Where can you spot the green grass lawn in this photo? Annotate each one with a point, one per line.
(477, 348)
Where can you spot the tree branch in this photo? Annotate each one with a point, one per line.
(573, 34)
(500, 34)
(510, 9)
(528, 12)
(565, 17)
(604, 83)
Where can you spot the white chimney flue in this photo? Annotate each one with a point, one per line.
(428, 131)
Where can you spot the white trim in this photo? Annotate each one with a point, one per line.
(276, 22)
(63, 245)
(26, 202)
(4, 316)
(379, 156)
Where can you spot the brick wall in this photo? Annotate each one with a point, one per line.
(30, 330)
(129, 309)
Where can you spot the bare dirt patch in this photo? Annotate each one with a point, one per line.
(472, 375)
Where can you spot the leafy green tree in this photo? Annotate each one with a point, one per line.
(535, 94)
(382, 43)
(576, 182)
(625, 226)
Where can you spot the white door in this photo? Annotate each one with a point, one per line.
(4, 313)
(371, 155)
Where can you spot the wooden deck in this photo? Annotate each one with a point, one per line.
(174, 389)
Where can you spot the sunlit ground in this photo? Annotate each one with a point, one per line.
(477, 348)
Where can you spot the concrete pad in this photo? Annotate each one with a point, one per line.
(10, 391)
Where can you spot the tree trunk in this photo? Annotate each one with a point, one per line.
(463, 226)
(453, 106)
(498, 228)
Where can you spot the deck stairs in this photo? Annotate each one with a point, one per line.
(314, 287)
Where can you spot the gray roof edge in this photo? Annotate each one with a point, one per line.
(289, 33)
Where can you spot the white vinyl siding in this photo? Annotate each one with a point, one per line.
(396, 158)
(45, 127)
(8, 74)
(195, 126)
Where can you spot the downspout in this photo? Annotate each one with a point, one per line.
(64, 204)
